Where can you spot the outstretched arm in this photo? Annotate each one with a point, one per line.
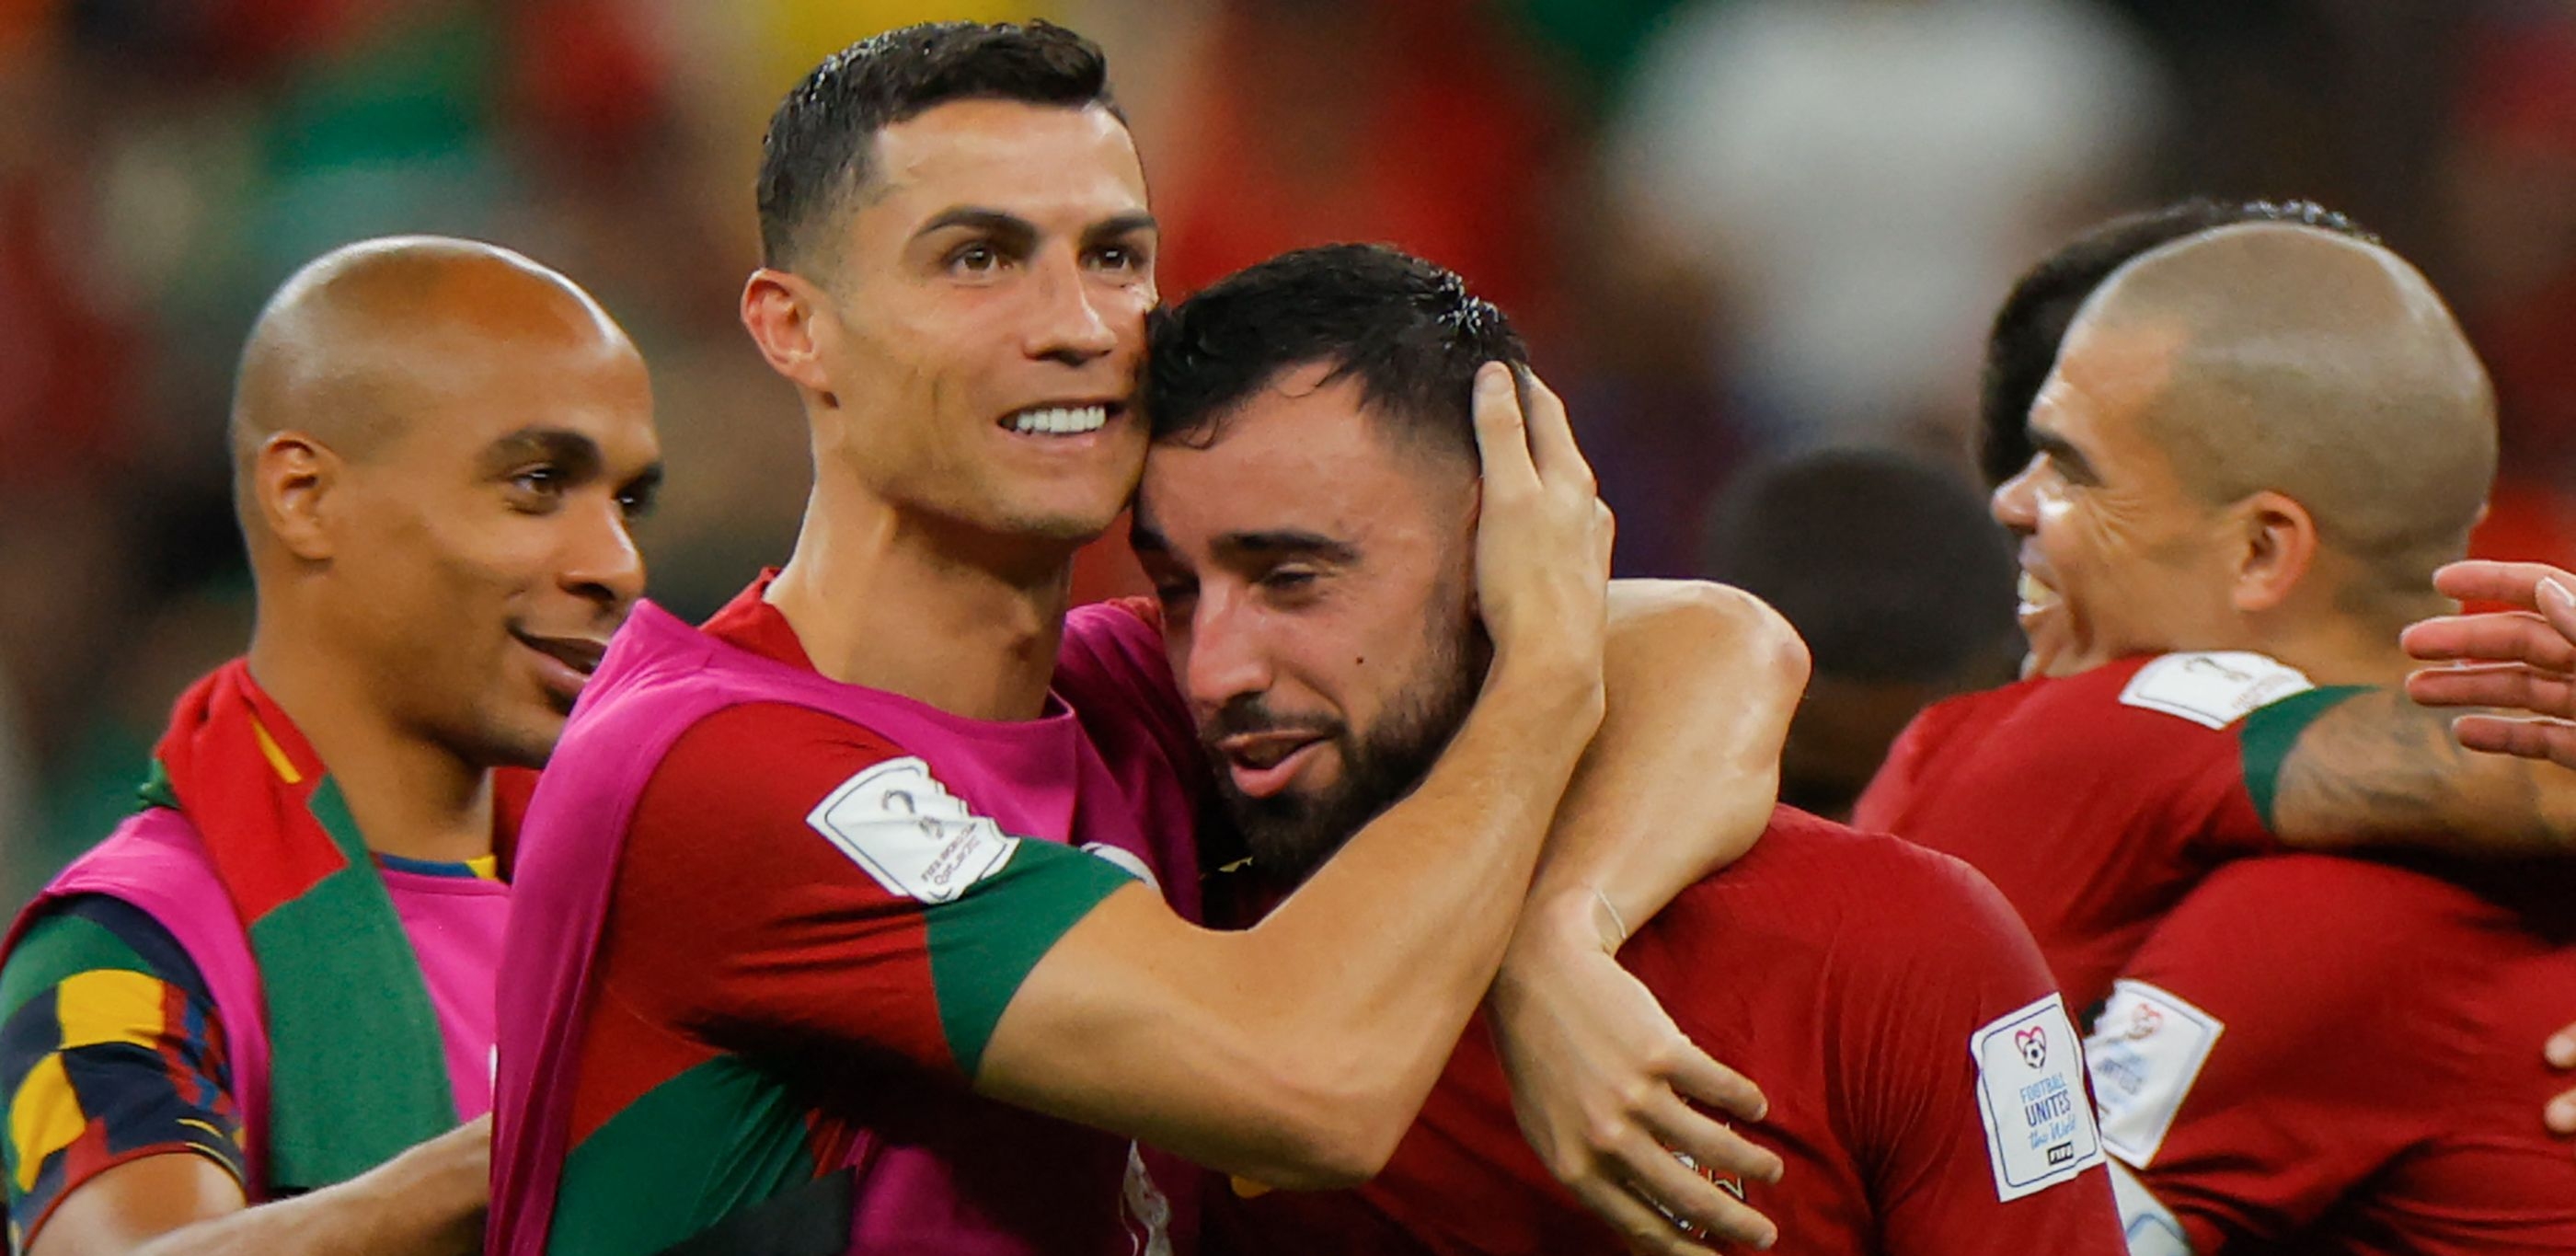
(1701, 682)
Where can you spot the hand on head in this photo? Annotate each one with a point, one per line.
(2521, 660)
(1542, 533)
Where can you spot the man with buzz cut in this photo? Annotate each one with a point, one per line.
(2256, 444)
(258, 1018)
(857, 919)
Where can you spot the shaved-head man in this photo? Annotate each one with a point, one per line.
(256, 1017)
(2256, 445)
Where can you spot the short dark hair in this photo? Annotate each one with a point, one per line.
(1887, 565)
(2021, 348)
(1408, 330)
(816, 151)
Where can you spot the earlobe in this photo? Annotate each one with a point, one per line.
(780, 311)
(294, 480)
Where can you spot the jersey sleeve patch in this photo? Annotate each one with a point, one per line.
(2213, 689)
(2030, 1090)
(899, 824)
(2146, 1051)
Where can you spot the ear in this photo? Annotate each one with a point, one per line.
(293, 479)
(2280, 546)
(781, 311)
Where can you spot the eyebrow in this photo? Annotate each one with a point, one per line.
(2061, 449)
(1117, 225)
(1019, 231)
(578, 453)
(1276, 543)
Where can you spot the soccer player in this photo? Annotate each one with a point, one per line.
(839, 916)
(1307, 516)
(2259, 439)
(258, 1018)
(2206, 734)
(2336, 1055)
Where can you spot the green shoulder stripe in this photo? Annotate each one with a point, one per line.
(690, 1152)
(983, 944)
(2269, 733)
(57, 947)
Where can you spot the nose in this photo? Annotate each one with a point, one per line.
(600, 561)
(1074, 323)
(1226, 656)
(2013, 504)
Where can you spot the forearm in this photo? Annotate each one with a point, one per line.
(1700, 682)
(2379, 769)
(1378, 960)
(429, 1201)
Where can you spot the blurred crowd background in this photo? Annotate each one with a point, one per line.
(1737, 232)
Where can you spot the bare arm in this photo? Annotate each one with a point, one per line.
(429, 1201)
(2379, 768)
(1701, 682)
(1297, 1052)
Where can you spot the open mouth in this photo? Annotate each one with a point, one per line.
(2036, 595)
(1262, 764)
(572, 659)
(1061, 418)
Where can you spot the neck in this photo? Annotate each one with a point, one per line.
(967, 623)
(411, 797)
(2346, 646)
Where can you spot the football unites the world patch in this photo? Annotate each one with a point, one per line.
(2147, 1049)
(2030, 1091)
(898, 823)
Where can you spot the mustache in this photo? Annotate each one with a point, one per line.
(1249, 714)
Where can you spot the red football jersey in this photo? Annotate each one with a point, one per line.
(2322, 1054)
(1926, 1088)
(2095, 801)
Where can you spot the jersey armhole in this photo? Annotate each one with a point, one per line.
(2270, 732)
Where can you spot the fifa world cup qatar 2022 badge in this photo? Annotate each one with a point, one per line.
(2030, 1091)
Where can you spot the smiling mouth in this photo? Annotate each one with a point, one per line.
(579, 654)
(2035, 593)
(1057, 419)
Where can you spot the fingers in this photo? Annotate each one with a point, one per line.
(1690, 1195)
(1711, 1143)
(1646, 1230)
(1502, 433)
(2516, 636)
(2557, 598)
(1697, 1075)
(2546, 739)
(2508, 685)
(2484, 580)
(1559, 460)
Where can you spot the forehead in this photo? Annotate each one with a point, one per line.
(1299, 453)
(2107, 381)
(1046, 163)
(459, 393)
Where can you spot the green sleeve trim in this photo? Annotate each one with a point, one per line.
(59, 947)
(983, 944)
(2271, 731)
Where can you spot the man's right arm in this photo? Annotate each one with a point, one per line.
(122, 1129)
(2378, 768)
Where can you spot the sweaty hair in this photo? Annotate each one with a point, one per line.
(1408, 331)
(1887, 566)
(2022, 347)
(814, 159)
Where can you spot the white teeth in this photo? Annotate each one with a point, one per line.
(1060, 421)
(2033, 593)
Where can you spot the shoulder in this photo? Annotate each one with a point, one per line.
(2315, 932)
(1882, 902)
(72, 938)
(751, 747)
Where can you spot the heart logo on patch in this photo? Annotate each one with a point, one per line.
(2033, 1043)
(2144, 1021)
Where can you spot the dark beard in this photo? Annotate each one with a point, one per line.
(1290, 834)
